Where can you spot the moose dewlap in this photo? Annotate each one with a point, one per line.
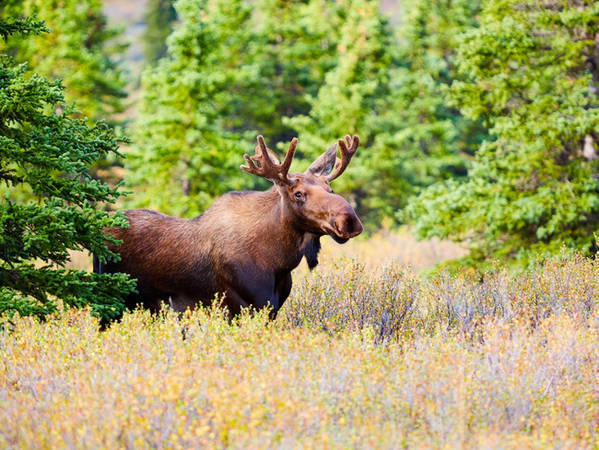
(246, 244)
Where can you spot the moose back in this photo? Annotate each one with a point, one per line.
(246, 244)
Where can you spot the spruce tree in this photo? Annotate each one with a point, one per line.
(355, 99)
(46, 153)
(190, 132)
(160, 14)
(434, 138)
(534, 187)
(81, 51)
(298, 47)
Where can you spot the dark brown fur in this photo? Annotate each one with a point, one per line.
(244, 246)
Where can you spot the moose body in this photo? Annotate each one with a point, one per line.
(245, 245)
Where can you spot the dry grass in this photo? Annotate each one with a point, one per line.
(392, 247)
(357, 358)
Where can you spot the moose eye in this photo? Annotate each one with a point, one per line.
(298, 195)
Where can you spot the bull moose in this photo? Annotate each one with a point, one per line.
(246, 244)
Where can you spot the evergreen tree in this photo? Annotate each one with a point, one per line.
(534, 70)
(48, 153)
(298, 46)
(160, 14)
(190, 132)
(434, 139)
(80, 51)
(355, 99)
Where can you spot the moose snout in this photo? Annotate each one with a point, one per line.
(348, 225)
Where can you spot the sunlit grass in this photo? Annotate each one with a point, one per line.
(397, 247)
(358, 357)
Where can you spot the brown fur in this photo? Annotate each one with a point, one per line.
(244, 246)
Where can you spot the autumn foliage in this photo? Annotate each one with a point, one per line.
(353, 360)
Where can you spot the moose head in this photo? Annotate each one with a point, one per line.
(307, 198)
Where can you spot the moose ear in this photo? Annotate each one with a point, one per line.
(324, 163)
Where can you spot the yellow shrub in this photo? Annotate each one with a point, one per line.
(359, 357)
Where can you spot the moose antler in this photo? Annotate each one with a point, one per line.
(262, 165)
(348, 150)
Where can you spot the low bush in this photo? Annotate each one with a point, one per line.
(355, 359)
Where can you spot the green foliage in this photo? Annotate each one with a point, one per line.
(392, 94)
(355, 99)
(534, 81)
(46, 153)
(187, 149)
(229, 75)
(22, 26)
(80, 51)
(435, 139)
(160, 14)
(298, 46)
(313, 68)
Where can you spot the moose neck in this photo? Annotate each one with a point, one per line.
(289, 240)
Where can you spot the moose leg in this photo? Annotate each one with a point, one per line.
(247, 287)
(181, 302)
(148, 300)
(234, 302)
(283, 289)
(265, 295)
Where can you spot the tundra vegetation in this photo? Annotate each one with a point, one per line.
(479, 125)
(358, 357)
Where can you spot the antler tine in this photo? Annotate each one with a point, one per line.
(348, 148)
(263, 166)
(348, 140)
(289, 156)
(261, 145)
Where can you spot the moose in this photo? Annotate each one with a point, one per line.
(246, 244)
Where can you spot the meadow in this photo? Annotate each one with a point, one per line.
(367, 352)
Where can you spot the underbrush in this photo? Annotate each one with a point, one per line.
(357, 358)
(394, 304)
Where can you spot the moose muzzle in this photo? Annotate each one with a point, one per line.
(347, 225)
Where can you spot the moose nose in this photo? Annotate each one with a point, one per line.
(348, 225)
